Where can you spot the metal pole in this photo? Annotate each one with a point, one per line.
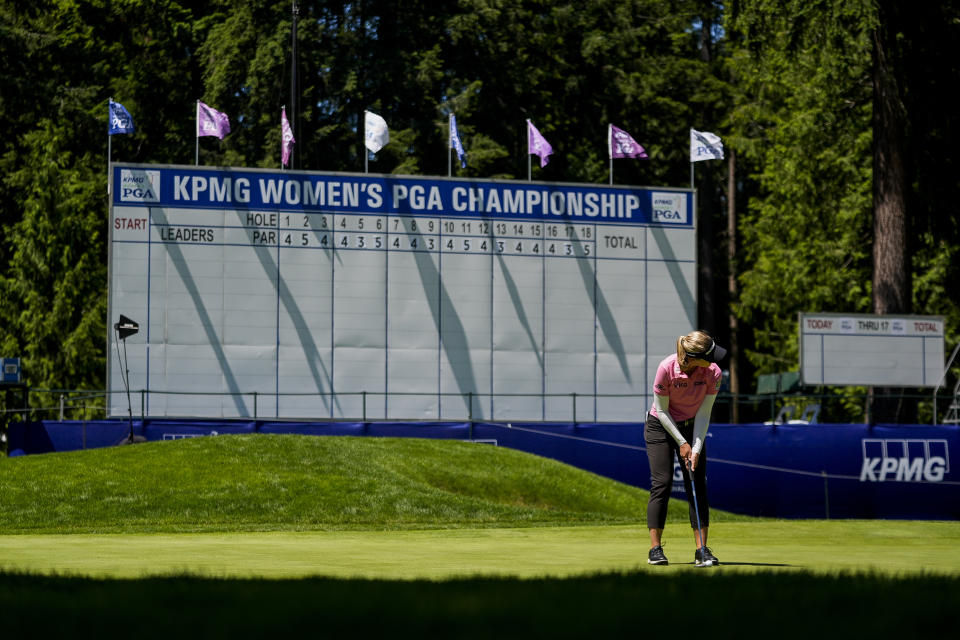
(732, 283)
(470, 413)
(126, 384)
(294, 96)
(943, 378)
(826, 494)
(610, 149)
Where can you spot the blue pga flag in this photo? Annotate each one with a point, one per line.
(455, 142)
(119, 119)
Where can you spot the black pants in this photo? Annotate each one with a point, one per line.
(662, 450)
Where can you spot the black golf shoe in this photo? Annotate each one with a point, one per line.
(705, 558)
(656, 556)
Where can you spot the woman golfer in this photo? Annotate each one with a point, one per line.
(684, 391)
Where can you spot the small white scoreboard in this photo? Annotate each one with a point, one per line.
(871, 350)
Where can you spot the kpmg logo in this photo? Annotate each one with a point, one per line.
(904, 460)
(138, 185)
(669, 207)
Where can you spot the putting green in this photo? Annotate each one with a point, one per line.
(827, 547)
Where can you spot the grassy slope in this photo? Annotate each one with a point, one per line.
(285, 482)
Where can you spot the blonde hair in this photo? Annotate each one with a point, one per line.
(695, 342)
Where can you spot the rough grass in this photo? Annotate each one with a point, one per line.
(602, 606)
(289, 482)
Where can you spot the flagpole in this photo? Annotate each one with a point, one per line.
(691, 175)
(109, 147)
(109, 161)
(449, 146)
(196, 153)
(610, 148)
(294, 89)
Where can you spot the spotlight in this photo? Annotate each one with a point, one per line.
(126, 327)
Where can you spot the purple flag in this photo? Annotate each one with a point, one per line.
(622, 145)
(211, 122)
(537, 145)
(288, 140)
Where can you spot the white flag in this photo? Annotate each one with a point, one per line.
(705, 146)
(375, 131)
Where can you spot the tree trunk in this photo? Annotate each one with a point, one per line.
(732, 283)
(891, 261)
(706, 207)
(891, 273)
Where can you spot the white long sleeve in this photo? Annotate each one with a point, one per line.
(662, 403)
(701, 422)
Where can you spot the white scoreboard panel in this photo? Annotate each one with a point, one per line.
(341, 296)
(871, 350)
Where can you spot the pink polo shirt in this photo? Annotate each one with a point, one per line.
(685, 391)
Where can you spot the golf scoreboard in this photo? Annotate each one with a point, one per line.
(307, 295)
(872, 350)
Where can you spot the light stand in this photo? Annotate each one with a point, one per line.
(124, 329)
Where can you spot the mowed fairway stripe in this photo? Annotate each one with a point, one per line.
(432, 554)
(830, 547)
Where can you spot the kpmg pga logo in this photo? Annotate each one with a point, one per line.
(888, 460)
(138, 185)
(669, 207)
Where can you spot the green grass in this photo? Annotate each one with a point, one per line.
(260, 535)
(816, 547)
(282, 482)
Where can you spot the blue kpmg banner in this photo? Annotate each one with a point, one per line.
(785, 471)
(219, 188)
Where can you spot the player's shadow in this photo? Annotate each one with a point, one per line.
(752, 564)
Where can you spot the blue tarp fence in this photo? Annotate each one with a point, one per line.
(786, 471)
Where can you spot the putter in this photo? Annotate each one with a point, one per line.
(696, 508)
